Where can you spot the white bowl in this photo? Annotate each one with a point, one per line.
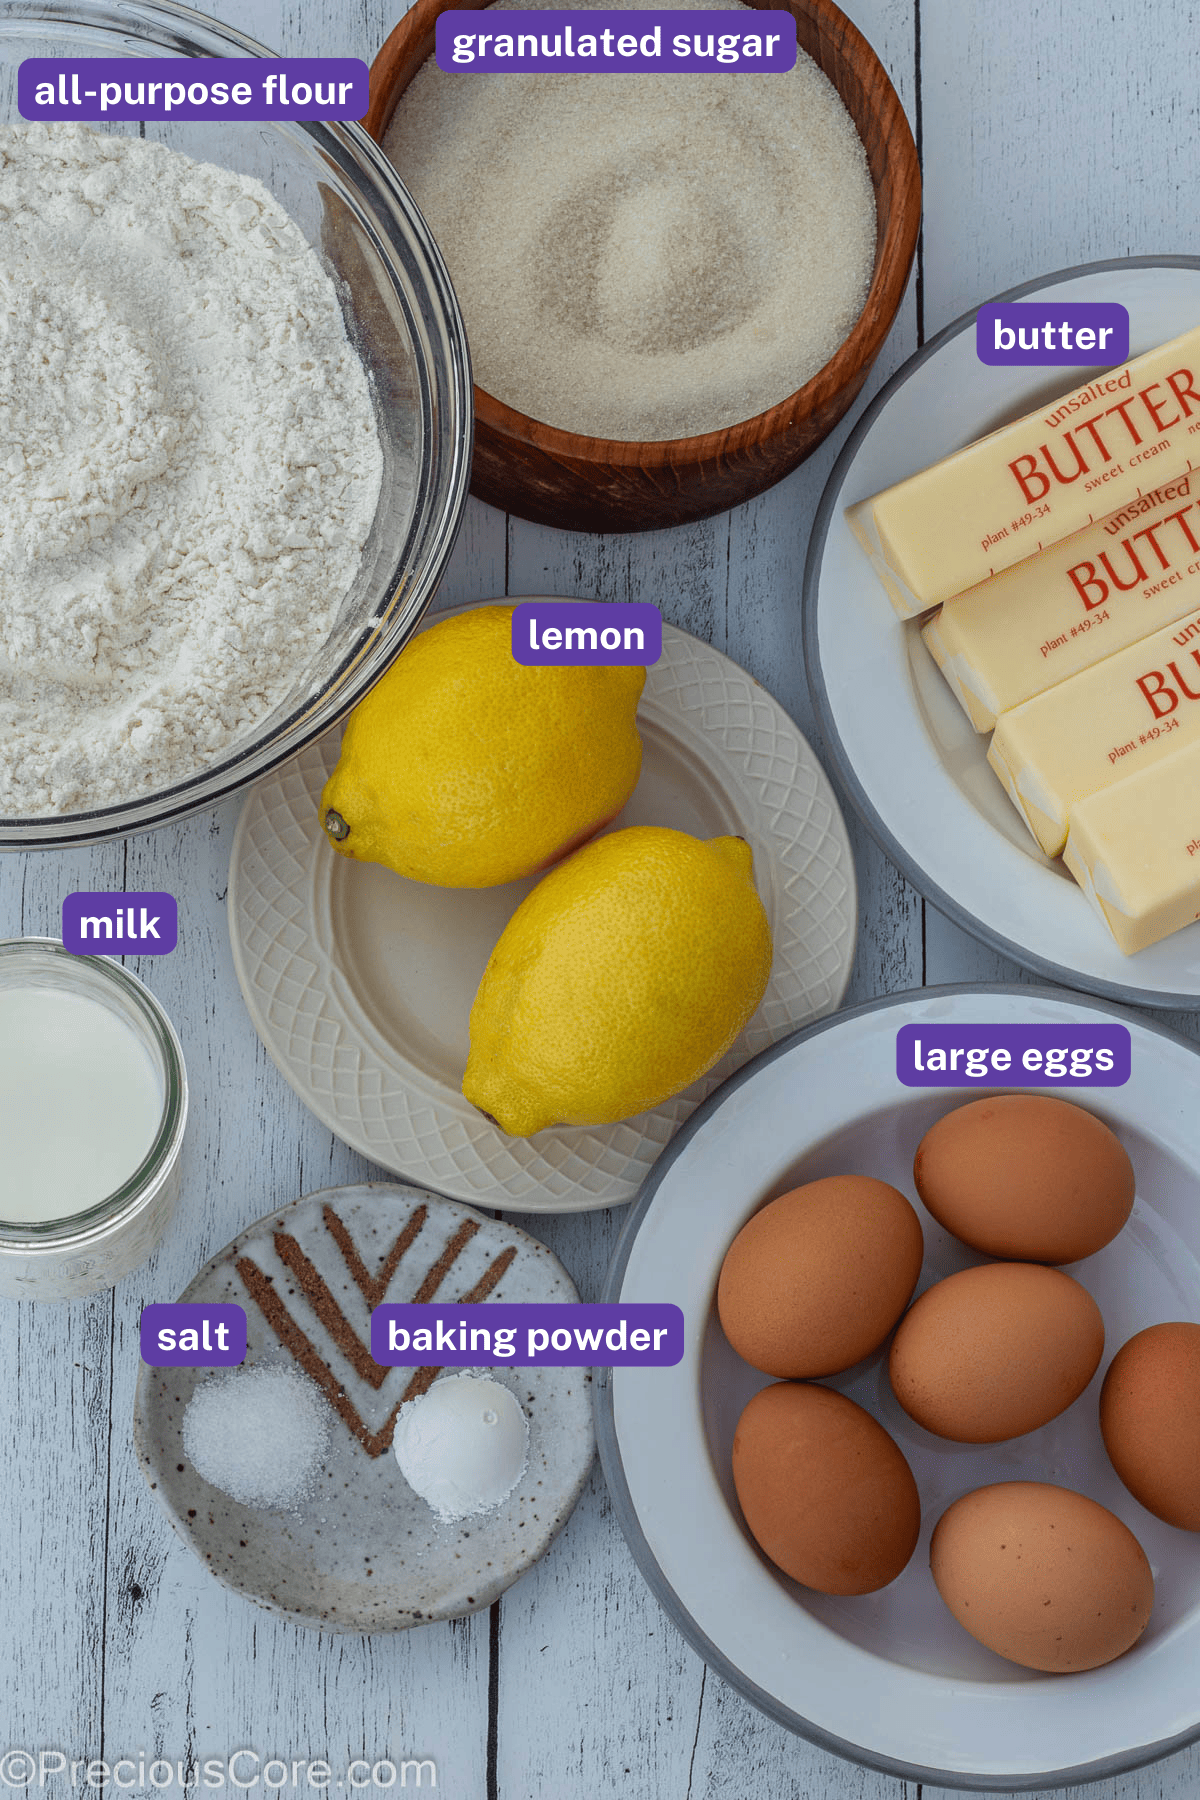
(890, 1679)
(894, 734)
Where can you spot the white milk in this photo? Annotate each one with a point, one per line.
(80, 1103)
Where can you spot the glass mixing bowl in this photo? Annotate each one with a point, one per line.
(401, 316)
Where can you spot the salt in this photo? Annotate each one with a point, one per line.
(643, 256)
(258, 1434)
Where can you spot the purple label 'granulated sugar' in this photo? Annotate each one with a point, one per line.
(613, 42)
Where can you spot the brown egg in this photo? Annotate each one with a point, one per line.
(825, 1491)
(1025, 1177)
(1150, 1420)
(994, 1352)
(1042, 1575)
(816, 1280)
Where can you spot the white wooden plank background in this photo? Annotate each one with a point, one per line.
(1052, 131)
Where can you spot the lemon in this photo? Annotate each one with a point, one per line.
(624, 976)
(464, 768)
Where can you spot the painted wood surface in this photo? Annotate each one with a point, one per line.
(1052, 132)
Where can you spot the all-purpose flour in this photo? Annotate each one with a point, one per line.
(189, 464)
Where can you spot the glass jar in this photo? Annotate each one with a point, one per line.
(78, 1253)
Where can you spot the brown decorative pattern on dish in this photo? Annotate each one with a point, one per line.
(315, 1287)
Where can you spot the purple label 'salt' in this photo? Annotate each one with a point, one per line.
(1057, 1056)
(528, 1337)
(202, 87)
(186, 1334)
(116, 924)
(1035, 332)
(570, 632)
(581, 43)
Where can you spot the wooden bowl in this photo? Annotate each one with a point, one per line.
(600, 484)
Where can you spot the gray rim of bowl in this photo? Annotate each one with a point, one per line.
(831, 739)
(614, 1471)
(167, 25)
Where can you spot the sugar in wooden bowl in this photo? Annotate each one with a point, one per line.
(660, 335)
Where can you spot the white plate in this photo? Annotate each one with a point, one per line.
(891, 1679)
(363, 1552)
(903, 748)
(360, 983)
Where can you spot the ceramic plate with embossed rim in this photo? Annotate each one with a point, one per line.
(891, 1679)
(895, 735)
(363, 1552)
(360, 983)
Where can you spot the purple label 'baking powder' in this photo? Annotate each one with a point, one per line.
(1037, 332)
(1053, 1056)
(202, 87)
(545, 1336)
(116, 924)
(629, 43)
(188, 1334)
(568, 633)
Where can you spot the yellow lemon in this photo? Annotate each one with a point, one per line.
(464, 768)
(624, 976)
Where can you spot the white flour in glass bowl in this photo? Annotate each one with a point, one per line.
(189, 464)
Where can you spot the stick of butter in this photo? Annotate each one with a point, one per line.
(1127, 712)
(1135, 850)
(1078, 602)
(1035, 481)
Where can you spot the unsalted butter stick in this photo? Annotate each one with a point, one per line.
(1135, 850)
(1128, 712)
(1074, 604)
(1037, 480)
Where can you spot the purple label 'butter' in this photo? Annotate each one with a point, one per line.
(112, 924)
(1058, 1056)
(1044, 332)
(188, 1334)
(573, 633)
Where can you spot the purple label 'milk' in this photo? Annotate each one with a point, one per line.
(1013, 1055)
(187, 1334)
(582, 43)
(561, 1336)
(573, 632)
(111, 924)
(202, 87)
(1041, 332)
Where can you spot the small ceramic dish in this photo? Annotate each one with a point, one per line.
(360, 983)
(890, 1679)
(401, 317)
(364, 1552)
(897, 738)
(598, 484)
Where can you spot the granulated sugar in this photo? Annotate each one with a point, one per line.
(643, 256)
(189, 464)
(258, 1434)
